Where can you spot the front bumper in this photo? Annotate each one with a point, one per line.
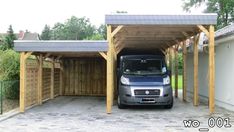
(127, 96)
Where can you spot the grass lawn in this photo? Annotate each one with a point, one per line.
(180, 82)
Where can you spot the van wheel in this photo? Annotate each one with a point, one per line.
(120, 105)
(170, 105)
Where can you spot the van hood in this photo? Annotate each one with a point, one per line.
(145, 80)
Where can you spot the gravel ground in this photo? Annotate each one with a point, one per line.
(80, 114)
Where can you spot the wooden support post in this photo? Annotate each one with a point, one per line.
(61, 78)
(40, 75)
(184, 71)
(176, 72)
(170, 63)
(110, 70)
(52, 80)
(195, 72)
(211, 69)
(22, 81)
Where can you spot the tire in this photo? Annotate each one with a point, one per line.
(169, 106)
(120, 105)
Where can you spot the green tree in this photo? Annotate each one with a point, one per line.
(73, 29)
(46, 33)
(8, 41)
(224, 9)
(102, 31)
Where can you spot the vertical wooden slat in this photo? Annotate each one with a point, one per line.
(22, 82)
(211, 70)
(61, 78)
(52, 80)
(176, 72)
(184, 71)
(195, 65)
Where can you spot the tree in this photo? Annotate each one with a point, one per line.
(224, 9)
(102, 31)
(73, 29)
(46, 33)
(8, 41)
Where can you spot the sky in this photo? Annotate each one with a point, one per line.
(32, 15)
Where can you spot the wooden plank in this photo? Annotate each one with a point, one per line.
(176, 71)
(40, 77)
(170, 63)
(22, 82)
(211, 69)
(203, 29)
(184, 71)
(103, 55)
(61, 78)
(110, 69)
(52, 79)
(116, 30)
(195, 65)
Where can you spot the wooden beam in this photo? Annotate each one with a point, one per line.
(60, 56)
(184, 71)
(203, 29)
(176, 71)
(52, 80)
(27, 55)
(61, 78)
(110, 71)
(170, 63)
(40, 75)
(211, 69)
(103, 55)
(22, 81)
(116, 31)
(195, 72)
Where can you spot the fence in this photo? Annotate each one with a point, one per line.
(9, 95)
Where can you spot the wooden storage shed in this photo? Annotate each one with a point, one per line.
(160, 32)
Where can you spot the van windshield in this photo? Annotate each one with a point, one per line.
(143, 67)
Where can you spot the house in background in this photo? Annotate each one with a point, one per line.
(23, 35)
(224, 69)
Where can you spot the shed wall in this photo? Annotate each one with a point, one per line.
(84, 76)
(224, 74)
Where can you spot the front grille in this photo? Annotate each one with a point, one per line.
(147, 92)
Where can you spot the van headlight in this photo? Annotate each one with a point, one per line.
(166, 80)
(124, 80)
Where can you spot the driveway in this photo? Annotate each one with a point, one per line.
(81, 114)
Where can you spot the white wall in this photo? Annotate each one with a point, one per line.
(224, 74)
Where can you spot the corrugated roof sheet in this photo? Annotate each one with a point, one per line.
(188, 19)
(61, 46)
(228, 30)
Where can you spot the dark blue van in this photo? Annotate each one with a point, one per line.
(144, 80)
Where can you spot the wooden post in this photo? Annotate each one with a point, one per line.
(22, 81)
(40, 75)
(110, 70)
(52, 80)
(211, 69)
(184, 71)
(61, 78)
(176, 72)
(195, 72)
(170, 63)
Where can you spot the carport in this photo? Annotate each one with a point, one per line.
(167, 33)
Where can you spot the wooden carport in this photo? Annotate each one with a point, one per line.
(164, 32)
(53, 67)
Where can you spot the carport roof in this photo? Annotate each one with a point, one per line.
(61, 46)
(155, 31)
